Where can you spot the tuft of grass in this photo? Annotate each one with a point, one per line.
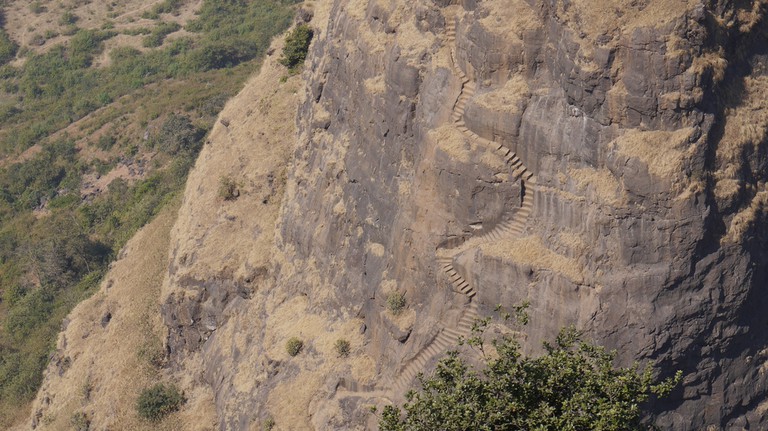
(342, 347)
(396, 302)
(268, 424)
(294, 346)
(228, 188)
(80, 421)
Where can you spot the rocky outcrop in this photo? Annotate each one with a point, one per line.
(603, 161)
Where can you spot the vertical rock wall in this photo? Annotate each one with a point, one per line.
(603, 160)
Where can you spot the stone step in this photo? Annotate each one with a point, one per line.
(422, 361)
(453, 334)
(528, 176)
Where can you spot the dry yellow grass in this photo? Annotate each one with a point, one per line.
(745, 128)
(596, 17)
(599, 185)
(107, 370)
(746, 218)
(508, 18)
(452, 142)
(661, 151)
(508, 99)
(530, 251)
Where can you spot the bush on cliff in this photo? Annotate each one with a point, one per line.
(573, 386)
(296, 46)
(158, 401)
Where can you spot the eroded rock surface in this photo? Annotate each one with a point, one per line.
(605, 161)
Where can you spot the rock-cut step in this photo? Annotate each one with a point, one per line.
(458, 282)
(448, 338)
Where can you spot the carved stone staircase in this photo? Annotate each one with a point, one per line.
(511, 223)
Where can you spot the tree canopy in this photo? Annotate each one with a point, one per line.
(572, 386)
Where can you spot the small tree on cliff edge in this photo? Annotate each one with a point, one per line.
(573, 386)
(296, 46)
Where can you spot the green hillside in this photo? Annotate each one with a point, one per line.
(96, 135)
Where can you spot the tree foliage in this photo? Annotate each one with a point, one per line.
(572, 386)
(296, 46)
(158, 401)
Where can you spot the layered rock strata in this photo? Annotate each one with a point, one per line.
(418, 130)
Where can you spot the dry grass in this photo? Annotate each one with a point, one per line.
(510, 19)
(452, 142)
(23, 25)
(597, 17)
(745, 129)
(746, 218)
(661, 151)
(712, 61)
(254, 149)
(599, 185)
(108, 370)
(511, 98)
(530, 251)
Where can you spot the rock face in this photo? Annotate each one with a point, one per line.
(604, 161)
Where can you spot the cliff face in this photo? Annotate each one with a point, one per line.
(605, 161)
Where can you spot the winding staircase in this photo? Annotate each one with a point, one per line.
(512, 222)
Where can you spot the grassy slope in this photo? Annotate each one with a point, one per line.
(97, 133)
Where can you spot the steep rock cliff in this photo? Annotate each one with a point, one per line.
(605, 161)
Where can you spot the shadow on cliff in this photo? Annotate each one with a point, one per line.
(737, 332)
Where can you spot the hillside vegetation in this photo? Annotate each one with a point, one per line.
(102, 114)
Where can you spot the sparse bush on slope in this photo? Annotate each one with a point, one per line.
(159, 401)
(296, 46)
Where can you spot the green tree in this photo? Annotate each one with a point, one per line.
(572, 386)
(296, 46)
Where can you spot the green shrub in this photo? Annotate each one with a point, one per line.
(68, 18)
(36, 7)
(158, 34)
(342, 347)
(396, 302)
(80, 421)
(268, 424)
(8, 48)
(296, 46)
(168, 6)
(228, 188)
(179, 135)
(106, 142)
(294, 346)
(158, 401)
